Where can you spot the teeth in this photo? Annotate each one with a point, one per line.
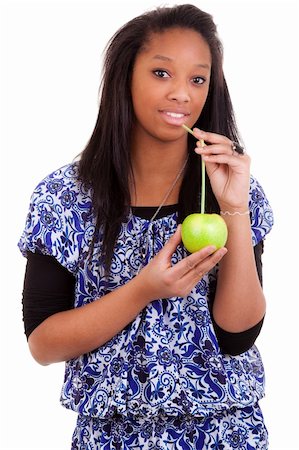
(176, 115)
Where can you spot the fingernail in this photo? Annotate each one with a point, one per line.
(198, 131)
(223, 251)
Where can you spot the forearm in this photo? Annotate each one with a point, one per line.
(69, 334)
(239, 301)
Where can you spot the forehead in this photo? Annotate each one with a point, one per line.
(175, 42)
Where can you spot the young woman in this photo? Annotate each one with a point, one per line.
(158, 343)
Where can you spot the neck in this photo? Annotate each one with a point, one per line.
(155, 168)
(160, 187)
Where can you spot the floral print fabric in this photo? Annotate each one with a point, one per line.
(167, 361)
(239, 429)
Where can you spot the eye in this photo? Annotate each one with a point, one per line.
(160, 73)
(198, 80)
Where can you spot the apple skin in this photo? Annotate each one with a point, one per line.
(200, 230)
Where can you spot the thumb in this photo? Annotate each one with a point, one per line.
(172, 243)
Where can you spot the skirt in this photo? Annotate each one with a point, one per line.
(236, 429)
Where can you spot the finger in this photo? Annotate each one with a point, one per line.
(190, 262)
(214, 149)
(191, 278)
(211, 261)
(217, 149)
(230, 160)
(171, 245)
(188, 281)
(212, 138)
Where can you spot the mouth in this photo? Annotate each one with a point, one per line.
(174, 117)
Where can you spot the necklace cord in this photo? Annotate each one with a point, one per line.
(170, 190)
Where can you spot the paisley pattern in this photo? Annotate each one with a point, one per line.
(167, 361)
(239, 430)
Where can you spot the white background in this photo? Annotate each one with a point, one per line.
(50, 71)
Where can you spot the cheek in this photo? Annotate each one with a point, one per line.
(139, 96)
(144, 99)
(145, 93)
(141, 108)
(137, 91)
(200, 100)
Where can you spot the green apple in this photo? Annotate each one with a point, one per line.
(200, 230)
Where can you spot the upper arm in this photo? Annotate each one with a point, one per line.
(48, 289)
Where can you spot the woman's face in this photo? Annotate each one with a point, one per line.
(170, 83)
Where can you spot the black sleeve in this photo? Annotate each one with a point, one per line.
(237, 343)
(258, 251)
(48, 289)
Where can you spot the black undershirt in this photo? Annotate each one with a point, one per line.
(49, 288)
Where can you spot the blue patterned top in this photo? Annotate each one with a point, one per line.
(168, 359)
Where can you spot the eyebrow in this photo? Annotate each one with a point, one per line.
(166, 58)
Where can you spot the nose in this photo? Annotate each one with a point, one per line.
(179, 92)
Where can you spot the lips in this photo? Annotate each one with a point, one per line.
(174, 117)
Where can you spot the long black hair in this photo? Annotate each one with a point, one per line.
(105, 163)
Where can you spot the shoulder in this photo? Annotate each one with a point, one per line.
(55, 182)
(257, 193)
(59, 217)
(261, 212)
(63, 188)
